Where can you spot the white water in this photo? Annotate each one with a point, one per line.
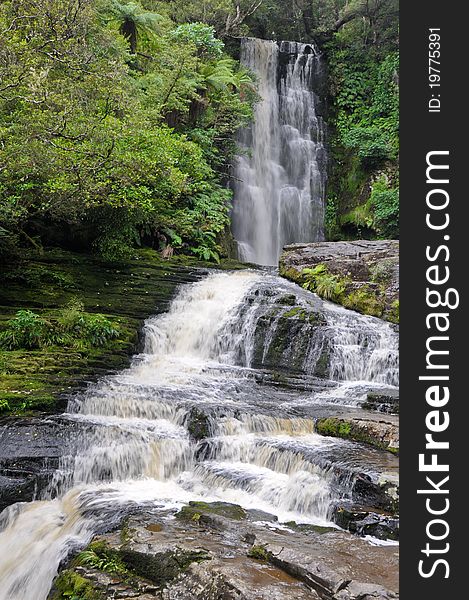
(363, 348)
(135, 446)
(280, 176)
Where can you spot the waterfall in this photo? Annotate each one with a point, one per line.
(280, 175)
(363, 348)
(135, 443)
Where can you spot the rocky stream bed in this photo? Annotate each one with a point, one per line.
(258, 430)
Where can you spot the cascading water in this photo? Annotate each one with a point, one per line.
(281, 174)
(137, 442)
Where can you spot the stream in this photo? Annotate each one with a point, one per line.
(221, 405)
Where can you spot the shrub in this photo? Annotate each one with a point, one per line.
(385, 204)
(371, 145)
(99, 556)
(92, 329)
(73, 327)
(27, 330)
(324, 284)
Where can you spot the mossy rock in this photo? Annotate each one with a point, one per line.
(194, 510)
(287, 300)
(334, 427)
(297, 312)
(341, 428)
(323, 363)
(392, 314)
(363, 522)
(382, 403)
(259, 553)
(198, 424)
(308, 528)
(125, 292)
(162, 567)
(366, 300)
(71, 585)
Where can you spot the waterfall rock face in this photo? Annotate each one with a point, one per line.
(280, 175)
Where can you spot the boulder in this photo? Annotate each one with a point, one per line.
(29, 455)
(382, 402)
(364, 522)
(369, 271)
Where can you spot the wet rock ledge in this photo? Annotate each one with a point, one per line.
(362, 275)
(221, 552)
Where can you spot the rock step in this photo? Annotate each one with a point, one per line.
(215, 557)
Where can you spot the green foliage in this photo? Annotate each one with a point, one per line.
(333, 427)
(366, 301)
(27, 330)
(324, 284)
(115, 121)
(259, 552)
(38, 276)
(4, 406)
(73, 327)
(71, 586)
(385, 203)
(132, 21)
(363, 62)
(100, 556)
(202, 36)
(393, 314)
(382, 271)
(75, 324)
(331, 219)
(361, 217)
(228, 17)
(371, 145)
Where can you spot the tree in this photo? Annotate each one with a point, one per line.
(133, 21)
(85, 149)
(226, 16)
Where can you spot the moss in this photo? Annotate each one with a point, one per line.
(125, 532)
(297, 312)
(287, 300)
(198, 424)
(382, 271)
(333, 427)
(286, 330)
(230, 511)
(393, 313)
(259, 553)
(366, 301)
(71, 585)
(308, 528)
(126, 293)
(99, 555)
(360, 216)
(291, 274)
(322, 367)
